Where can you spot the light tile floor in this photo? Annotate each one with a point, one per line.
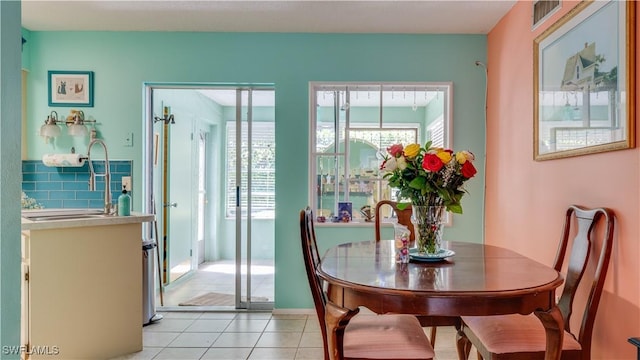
(247, 335)
(219, 276)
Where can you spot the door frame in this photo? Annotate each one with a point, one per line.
(148, 178)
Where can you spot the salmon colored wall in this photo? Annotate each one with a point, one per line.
(526, 199)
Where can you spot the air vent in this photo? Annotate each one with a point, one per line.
(542, 9)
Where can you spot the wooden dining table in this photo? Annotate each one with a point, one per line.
(477, 280)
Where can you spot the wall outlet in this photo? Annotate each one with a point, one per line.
(126, 183)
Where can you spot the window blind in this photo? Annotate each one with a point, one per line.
(262, 170)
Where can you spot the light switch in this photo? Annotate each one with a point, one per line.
(128, 140)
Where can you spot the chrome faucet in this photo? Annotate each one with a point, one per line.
(108, 206)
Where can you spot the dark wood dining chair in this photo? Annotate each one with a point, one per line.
(523, 336)
(389, 336)
(636, 342)
(404, 218)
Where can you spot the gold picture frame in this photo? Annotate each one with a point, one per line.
(584, 81)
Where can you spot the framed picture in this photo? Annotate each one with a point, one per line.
(70, 88)
(345, 211)
(584, 81)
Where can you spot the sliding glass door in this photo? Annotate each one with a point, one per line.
(252, 165)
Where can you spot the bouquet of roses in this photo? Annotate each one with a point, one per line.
(428, 176)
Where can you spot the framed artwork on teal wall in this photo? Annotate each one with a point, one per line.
(70, 88)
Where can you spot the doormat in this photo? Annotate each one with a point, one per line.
(218, 299)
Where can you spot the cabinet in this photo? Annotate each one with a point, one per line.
(82, 290)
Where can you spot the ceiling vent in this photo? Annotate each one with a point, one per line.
(542, 9)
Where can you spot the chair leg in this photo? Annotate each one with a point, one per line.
(432, 338)
(463, 345)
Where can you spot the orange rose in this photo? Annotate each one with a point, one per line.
(444, 155)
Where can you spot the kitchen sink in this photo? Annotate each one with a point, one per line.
(62, 214)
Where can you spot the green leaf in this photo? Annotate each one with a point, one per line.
(418, 183)
(403, 205)
(444, 194)
(455, 208)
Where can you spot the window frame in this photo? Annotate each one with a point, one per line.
(315, 87)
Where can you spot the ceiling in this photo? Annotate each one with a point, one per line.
(336, 16)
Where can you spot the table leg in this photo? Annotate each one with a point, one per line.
(554, 328)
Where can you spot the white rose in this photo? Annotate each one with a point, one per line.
(401, 162)
(391, 164)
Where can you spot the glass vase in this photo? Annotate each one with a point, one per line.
(427, 221)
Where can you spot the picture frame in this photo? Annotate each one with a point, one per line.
(345, 211)
(584, 81)
(70, 88)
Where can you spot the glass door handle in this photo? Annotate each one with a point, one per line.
(171, 205)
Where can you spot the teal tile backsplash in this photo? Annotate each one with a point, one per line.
(68, 187)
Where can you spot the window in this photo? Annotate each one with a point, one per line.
(263, 148)
(353, 124)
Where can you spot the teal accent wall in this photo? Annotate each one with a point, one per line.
(123, 61)
(10, 177)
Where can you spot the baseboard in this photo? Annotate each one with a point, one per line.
(231, 309)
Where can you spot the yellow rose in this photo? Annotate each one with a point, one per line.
(445, 156)
(411, 150)
(464, 156)
(460, 158)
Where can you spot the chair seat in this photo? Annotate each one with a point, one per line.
(515, 334)
(386, 336)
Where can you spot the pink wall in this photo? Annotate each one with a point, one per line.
(526, 199)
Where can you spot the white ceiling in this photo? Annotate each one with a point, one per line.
(336, 16)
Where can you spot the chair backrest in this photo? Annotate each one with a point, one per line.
(311, 258)
(404, 217)
(583, 246)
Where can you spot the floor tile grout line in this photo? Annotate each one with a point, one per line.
(308, 320)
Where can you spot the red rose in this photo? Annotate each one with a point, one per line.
(468, 170)
(432, 162)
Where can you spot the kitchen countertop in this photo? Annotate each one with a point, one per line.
(84, 222)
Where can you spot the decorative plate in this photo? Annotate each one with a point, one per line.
(439, 256)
